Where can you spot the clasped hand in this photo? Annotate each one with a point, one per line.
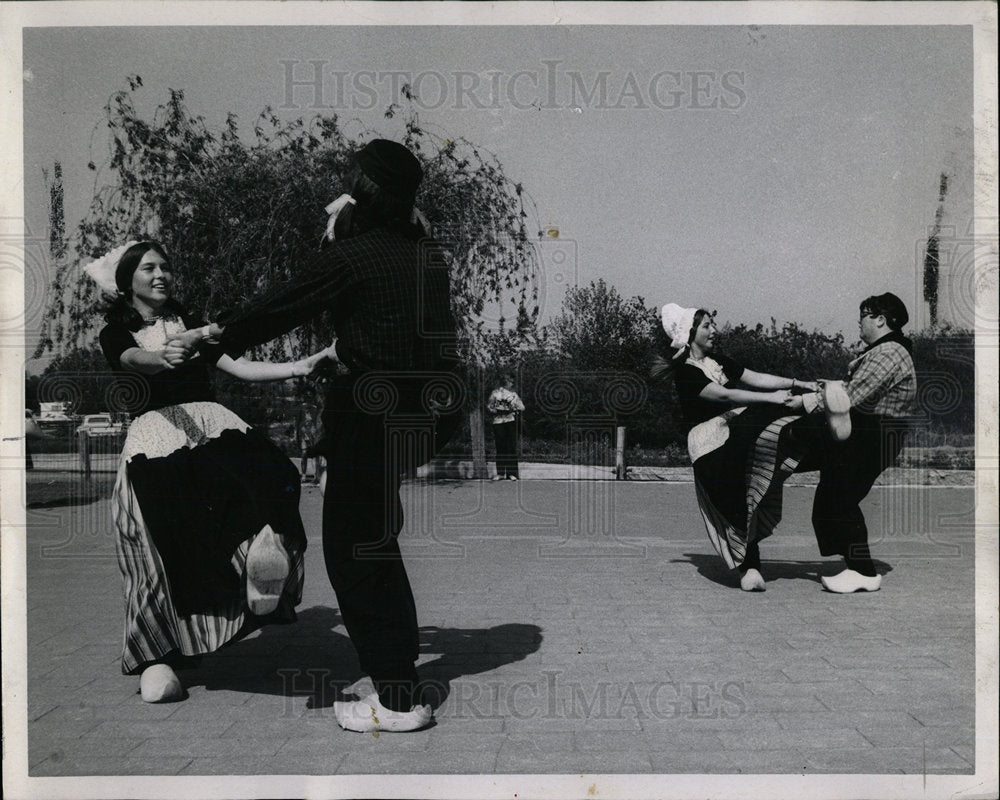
(184, 346)
(792, 399)
(794, 402)
(181, 347)
(188, 341)
(306, 366)
(175, 352)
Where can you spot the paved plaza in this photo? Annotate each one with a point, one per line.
(566, 626)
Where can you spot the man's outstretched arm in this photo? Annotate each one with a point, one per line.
(271, 314)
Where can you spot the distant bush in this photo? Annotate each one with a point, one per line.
(946, 380)
(944, 360)
(790, 351)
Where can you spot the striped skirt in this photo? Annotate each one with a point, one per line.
(194, 485)
(739, 484)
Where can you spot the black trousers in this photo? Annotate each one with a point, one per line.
(848, 470)
(367, 451)
(505, 438)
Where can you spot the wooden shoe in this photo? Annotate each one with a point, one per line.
(752, 581)
(369, 715)
(267, 570)
(850, 581)
(838, 409)
(160, 684)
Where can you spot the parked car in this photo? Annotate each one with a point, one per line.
(54, 420)
(99, 425)
(55, 412)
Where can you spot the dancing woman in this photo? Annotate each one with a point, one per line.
(209, 537)
(726, 409)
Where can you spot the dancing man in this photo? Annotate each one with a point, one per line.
(868, 418)
(386, 285)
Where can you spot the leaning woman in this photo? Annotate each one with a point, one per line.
(726, 410)
(209, 538)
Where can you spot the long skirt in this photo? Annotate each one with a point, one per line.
(739, 482)
(194, 485)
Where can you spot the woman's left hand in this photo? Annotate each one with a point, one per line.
(306, 366)
(181, 347)
(807, 386)
(173, 355)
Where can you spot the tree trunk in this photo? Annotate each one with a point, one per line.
(931, 259)
(477, 432)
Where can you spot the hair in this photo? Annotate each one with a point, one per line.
(121, 311)
(375, 206)
(699, 317)
(665, 363)
(889, 306)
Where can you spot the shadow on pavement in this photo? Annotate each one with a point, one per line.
(470, 651)
(60, 489)
(309, 658)
(306, 657)
(712, 567)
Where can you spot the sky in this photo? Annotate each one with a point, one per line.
(771, 171)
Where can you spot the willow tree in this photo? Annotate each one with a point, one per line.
(240, 211)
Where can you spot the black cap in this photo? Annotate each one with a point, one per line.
(391, 166)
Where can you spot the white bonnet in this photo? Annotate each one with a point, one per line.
(102, 270)
(677, 323)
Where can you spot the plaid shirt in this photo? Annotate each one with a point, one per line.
(389, 296)
(881, 381)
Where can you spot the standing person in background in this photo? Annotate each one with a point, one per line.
(506, 407)
(868, 417)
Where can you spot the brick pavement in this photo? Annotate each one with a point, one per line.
(567, 627)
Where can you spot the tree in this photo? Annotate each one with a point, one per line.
(595, 378)
(932, 256)
(598, 329)
(57, 216)
(82, 379)
(790, 350)
(237, 216)
(31, 391)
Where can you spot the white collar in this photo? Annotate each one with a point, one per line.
(713, 369)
